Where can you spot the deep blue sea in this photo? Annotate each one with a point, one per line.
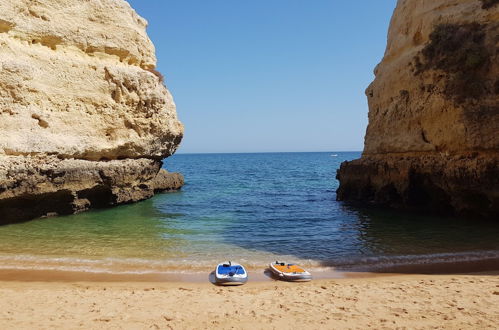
(251, 208)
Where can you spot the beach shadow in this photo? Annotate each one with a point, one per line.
(268, 273)
(424, 244)
(212, 279)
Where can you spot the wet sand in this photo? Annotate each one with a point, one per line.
(30, 275)
(401, 301)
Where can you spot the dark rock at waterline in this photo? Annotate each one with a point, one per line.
(458, 185)
(44, 186)
(166, 181)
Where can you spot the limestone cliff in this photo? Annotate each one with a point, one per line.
(85, 119)
(432, 143)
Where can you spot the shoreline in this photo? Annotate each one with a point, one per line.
(16, 275)
(262, 274)
(47, 276)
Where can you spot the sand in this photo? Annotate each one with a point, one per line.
(388, 302)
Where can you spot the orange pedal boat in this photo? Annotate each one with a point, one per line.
(290, 272)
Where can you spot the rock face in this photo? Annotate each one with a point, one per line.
(432, 143)
(85, 119)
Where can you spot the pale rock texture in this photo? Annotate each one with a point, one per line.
(432, 143)
(82, 108)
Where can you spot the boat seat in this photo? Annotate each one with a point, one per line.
(226, 270)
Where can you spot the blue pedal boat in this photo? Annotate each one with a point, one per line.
(230, 273)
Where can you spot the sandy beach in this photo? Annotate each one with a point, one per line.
(386, 302)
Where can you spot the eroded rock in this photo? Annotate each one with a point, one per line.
(85, 119)
(432, 143)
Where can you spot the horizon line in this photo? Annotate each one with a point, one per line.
(259, 152)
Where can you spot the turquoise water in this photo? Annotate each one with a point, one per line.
(251, 208)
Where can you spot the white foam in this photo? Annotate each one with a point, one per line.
(192, 266)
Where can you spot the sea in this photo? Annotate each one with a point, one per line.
(250, 208)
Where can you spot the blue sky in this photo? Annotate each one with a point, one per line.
(269, 75)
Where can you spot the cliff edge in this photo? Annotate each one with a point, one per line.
(432, 143)
(85, 119)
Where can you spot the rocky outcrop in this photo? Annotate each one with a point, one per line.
(85, 119)
(432, 143)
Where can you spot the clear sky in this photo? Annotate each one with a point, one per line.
(269, 75)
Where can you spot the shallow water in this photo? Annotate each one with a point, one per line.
(253, 208)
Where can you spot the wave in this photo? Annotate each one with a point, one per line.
(194, 266)
(127, 265)
(380, 263)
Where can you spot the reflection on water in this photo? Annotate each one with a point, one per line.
(254, 208)
(392, 233)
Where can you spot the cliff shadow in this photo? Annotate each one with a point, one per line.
(375, 240)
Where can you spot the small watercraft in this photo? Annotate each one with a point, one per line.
(230, 273)
(290, 272)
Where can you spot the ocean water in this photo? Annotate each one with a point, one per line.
(251, 208)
